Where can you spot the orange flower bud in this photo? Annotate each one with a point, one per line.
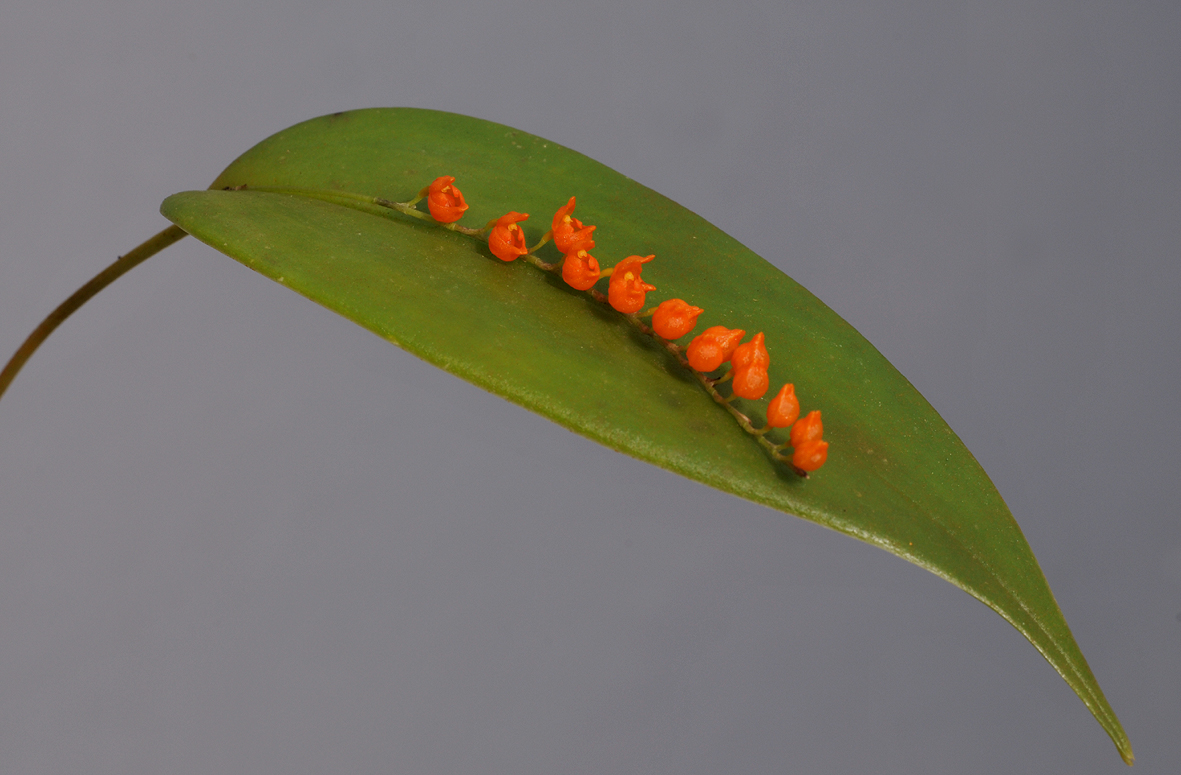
(784, 407)
(713, 347)
(807, 429)
(568, 232)
(674, 318)
(507, 239)
(580, 270)
(810, 456)
(444, 200)
(705, 353)
(751, 382)
(627, 289)
(730, 340)
(752, 353)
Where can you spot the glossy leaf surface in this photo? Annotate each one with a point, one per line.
(897, 476)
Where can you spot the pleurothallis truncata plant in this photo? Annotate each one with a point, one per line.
(329, 208)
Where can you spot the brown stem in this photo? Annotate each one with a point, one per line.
(104, 278)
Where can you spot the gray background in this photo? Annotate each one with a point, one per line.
(240, 534)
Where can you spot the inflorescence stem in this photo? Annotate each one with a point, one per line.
(406, 208)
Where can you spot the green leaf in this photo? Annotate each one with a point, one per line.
(897, 476)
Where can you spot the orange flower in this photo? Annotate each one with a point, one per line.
(569, 234)
(627, 289)
(507, 239)
(752, 353)
(807, 430)
(784, 407)
(750, 361)
(751, 382)
(713, 347)
(580, 270)
(810, 456)
(674, 318)
(444, 200)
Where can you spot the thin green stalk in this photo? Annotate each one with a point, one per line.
(407, 208)
(104, 278)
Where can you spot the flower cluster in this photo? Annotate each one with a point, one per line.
(749, 379)
(671, 319)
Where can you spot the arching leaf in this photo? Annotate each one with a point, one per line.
(897, 476)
